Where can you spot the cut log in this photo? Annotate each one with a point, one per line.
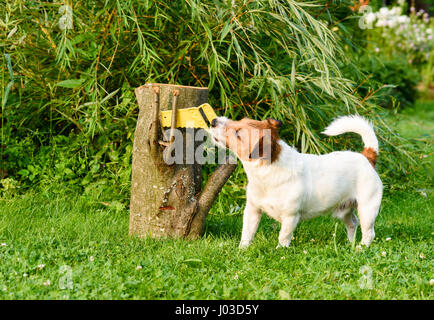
(166, 200)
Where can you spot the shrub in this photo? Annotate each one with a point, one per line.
(398, 78)
(397, 51)
(73, 80)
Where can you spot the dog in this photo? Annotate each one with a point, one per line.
(290, 186)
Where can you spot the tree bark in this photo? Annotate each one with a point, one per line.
(166, 201)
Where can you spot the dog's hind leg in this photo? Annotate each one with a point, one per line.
(351, 222)
(345, 212)
(368, 211)
(367, 215)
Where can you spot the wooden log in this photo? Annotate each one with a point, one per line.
(166, 200)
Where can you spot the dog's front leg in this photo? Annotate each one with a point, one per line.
(288, 226)
(251, 218)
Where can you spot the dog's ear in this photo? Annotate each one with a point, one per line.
(258, 151)
(273, 123)
(268, 147)
(263, 149)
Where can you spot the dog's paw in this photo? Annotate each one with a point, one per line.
(243, 244)
(283, 244)
(366, 243)
(279, 246)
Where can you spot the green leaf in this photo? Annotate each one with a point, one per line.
(293, 74)
(70, 83)
(23, 172)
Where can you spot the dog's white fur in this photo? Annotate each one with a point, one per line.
(301, 186)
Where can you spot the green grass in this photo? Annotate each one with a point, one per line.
(416, 122)
(51, 230)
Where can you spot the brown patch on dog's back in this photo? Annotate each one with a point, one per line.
(371, 155)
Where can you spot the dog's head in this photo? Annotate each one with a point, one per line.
(249, 139)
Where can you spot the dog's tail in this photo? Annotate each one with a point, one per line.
(360, 126)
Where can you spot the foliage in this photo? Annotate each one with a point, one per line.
(71, 112)
(397, 33)
(396, 77)
(398, 50)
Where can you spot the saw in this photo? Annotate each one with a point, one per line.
(198, 117)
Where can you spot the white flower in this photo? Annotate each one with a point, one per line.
(384, 253)
(377, 49)
(138, 267)
(25, 275)
(304, 251)
(236, 276)
(422, 256)
(381, 23)
(3, 244)
(383, 12)
(359, 248)
(282, 258)
(392, 23)
(431, 283)
(41, 266)
(47, 283)
(370, 18)
(403, 19)
(91, 258)
(388, 239)
(395, 11)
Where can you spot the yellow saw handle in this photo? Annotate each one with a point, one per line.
(198, 117)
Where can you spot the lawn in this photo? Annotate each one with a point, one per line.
(63, 245)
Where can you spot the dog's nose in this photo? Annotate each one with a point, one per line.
(214, 122)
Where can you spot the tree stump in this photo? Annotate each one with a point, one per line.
(166, 200)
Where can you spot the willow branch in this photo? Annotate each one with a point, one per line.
(153, 135)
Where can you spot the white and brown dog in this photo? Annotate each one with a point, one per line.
(291, 186)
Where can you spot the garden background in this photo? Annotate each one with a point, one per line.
(68, 115)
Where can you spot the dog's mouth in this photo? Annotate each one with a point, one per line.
(218, 142)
